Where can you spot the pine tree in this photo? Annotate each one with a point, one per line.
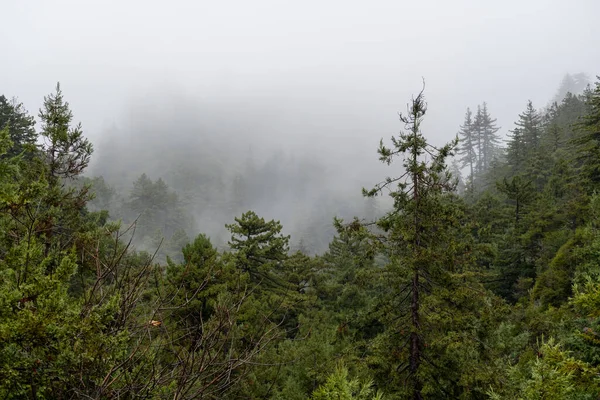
(530, 125)
(515, 151)
(512, 257)
(490, 140)
(20, 125)
(467, 149)
(340, 387)
(457, 175)
(478, 136)
(259, 246)
(417, 227)
(68, 151)
(524, 145)
(156, 209)
(588, 142)
(571, 84)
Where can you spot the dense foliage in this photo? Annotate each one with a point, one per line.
(486, 287)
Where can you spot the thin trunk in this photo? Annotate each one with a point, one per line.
(415, 339)
(472, 176)
(479, 155)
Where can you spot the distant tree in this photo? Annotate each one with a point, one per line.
(259, 246)
(524, 141)
(512, 258)
(467, 146)
(68, 151)
(515, 151)
(566, 116)
(530, 124)
(478, 136)
(156, 208)
(20, 125)
(573, 84)
(457, 175)
(490, 142)
(588, 142)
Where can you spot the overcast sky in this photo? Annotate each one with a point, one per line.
(312, 71)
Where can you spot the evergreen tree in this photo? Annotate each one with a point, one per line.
(478, 135)
(530, 126)
(68, 151)
(259, 246)
(512, 258)
(490, 140)
(457, 175)
(588, 142)
(516, 151)
(571, 84)
(156, 209)
(20, 125)
(467, 149)
(417, 229)
(340, 387)
(524, 146)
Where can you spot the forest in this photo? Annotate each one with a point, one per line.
(470, 271)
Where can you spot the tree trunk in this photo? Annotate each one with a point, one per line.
(415, 340)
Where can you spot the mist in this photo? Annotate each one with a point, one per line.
(289, 98)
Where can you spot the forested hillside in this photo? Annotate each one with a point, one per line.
(470, 271)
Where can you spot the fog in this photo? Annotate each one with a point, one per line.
(218, 86)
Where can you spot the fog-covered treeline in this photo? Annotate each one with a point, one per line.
(214, 175)
(470, 271)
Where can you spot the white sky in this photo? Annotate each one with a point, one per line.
(296, 70)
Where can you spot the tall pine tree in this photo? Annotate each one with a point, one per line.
(467, 149)
(490, 141)
(417, 230)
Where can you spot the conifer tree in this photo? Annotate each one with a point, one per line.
(417, 227)
(524, 144)
(490, 140)
(19, 123)
(530, 126)
(259, 246)
(588, 142)
(478, 136)
(571, 84)
(68, 151)
(467, 149)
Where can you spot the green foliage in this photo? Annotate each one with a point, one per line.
(340, 387)
(68, 152)
(259, 246)
(588, 141)
(20, 125)
(440, 297)
(551, 375)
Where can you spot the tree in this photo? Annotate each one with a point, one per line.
(571, 84)
(20, 126)
(588, 142)
(512, 255)
(490, 142)
(64, 330)
(467, 146)
(530, 126)
(340, 387)
(259, 246)
(417, 228)
(68, 151)
(157, 211)
(524, 146)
